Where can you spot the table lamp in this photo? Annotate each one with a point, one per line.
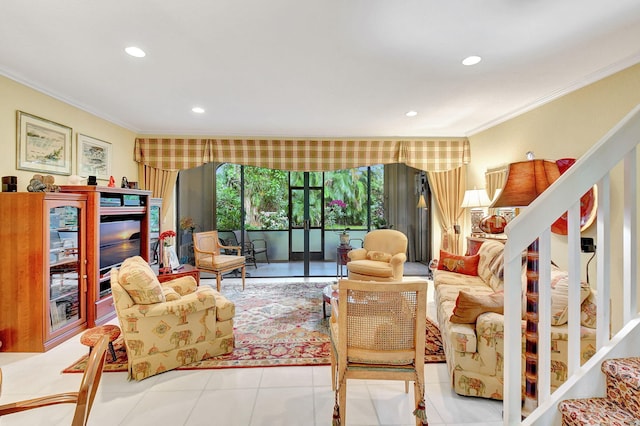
(475, 200)
(526, 180)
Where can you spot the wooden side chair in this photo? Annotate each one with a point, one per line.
(83, 398)
(378, 332)
(206, 249)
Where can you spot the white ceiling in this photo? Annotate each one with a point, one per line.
(323, 68)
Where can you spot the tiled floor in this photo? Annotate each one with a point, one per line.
(250, 396)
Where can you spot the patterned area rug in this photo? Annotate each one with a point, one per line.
(276, 324)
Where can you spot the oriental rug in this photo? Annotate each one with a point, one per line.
(276, 324)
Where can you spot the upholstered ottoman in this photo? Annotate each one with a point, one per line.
(91, 337)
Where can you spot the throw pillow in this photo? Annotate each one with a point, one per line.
(588, 311)
(470, 306)
(137, 278)
(560, 296)
(379, 256)
(467, 265)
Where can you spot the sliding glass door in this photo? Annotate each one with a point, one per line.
(306, 237)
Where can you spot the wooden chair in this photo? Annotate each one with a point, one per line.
(206, 249)
(83, 398)
(378, 332)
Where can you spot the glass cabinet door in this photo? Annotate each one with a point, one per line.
(65, 269)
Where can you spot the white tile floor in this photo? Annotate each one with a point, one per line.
(250, 396)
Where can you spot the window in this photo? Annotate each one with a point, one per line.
(266, 198)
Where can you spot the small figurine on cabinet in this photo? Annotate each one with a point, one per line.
(125, 182)
(112, 182)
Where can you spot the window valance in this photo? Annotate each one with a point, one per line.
(302, 155)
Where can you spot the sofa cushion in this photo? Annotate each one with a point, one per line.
(588, 311)
(469, 306)
(467, 265)
(560, 296)
(371, 268)
(140, 282)
(491, 264)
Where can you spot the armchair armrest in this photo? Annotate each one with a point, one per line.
(357, 254)
(237, 248)
(262, 241)
(398, 259)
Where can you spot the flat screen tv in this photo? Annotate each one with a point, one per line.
(118, 241)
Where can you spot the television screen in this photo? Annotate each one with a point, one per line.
(118, 241)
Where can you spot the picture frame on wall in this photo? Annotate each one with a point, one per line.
(42, 145)
(94, 157)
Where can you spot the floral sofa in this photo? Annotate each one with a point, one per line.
(469, 302)
(170, 324)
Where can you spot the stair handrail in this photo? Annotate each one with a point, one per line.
(593, 168)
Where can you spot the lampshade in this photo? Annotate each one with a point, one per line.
(475, 198)
(526, 180)
(422, 203)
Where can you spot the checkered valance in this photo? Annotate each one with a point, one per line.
(302, 155)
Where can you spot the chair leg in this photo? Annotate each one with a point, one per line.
(113, 352)
(342, 401)
(243, 276)
(333, 370)
(218, 281)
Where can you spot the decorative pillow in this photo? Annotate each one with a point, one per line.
(588, 311)
(137, 278)
(183, 285)
(170, 294)
(469, 306)
(379, 256)
(467, 265)
(560, 296)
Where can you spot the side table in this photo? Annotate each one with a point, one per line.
(185, 270)
(342, 258)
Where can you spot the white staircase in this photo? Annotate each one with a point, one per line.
(615, 153)
(621, 404)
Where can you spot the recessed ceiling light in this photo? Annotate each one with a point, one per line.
(411, 113)
(135, 52)
(471, 60)
(198, 110)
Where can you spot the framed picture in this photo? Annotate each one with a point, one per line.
(171, 258)
(94, 157)
(43, 146)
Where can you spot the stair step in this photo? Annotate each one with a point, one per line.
(595, 412)
(626, 370)
(623, 383)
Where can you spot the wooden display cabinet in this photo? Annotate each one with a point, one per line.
(43, 272)
(117, 227)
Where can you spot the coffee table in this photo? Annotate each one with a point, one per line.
(328, 293)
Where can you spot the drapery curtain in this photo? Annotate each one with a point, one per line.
(302, 155)
(159, 182)
(495, 179)
(448, 188)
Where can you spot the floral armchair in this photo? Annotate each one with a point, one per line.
(167, 325)
(381, 258)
